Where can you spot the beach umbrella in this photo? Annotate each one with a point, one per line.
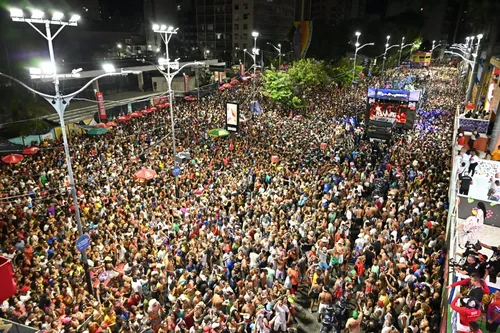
(100, 125)
(12, 158)
(221, 88)
(32, 150)
(111, 124)
(234, 81)
(227, 85)
(218, 132)
(163, 106)
(124, 118)
(145, 174)
(97, 131)
(136, 114)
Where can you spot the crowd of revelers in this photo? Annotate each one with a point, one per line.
(246, 243)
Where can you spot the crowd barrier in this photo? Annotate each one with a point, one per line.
(13, 327)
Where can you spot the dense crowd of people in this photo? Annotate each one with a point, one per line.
(243, 243)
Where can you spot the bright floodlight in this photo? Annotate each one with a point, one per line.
(357, 44)
(170, 28)
(479, 36)
(57, 16)
(162, 61)
(358, 33)
(279, 45)
(36, 14)
(108, 68)
(157, 49)
(156, 27)
(163, 27)
(16, 12)
(74, 18)
(47, 67)
(35, 71)
(388, 37)
(386, 45)
(119, 46)
(255, 34)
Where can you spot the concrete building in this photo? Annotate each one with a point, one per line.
(333, 12)
(214, 20)
(272, 19)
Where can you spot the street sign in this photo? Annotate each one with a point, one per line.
(83, 243)
(177, 171)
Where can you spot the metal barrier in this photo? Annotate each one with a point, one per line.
(15, 327)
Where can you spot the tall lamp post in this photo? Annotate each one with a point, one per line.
(357, 48)
(279, 53)
(59, 101)
(169, 69)
(387, 48)
(403, 46)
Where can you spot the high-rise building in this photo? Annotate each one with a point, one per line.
(214, 19)
(333, 12)
(271, 19)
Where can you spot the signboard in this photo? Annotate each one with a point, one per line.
(100, 105)
(389, 109)
(232, 116)
(302, 38)
(176, 171)
(186, 84)
(83, 243)
(220, 77)
(129, 108)
(242, 69)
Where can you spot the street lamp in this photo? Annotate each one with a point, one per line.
(403, 46)
(255, 50)
(434, 46)
(279, 52)
(387, 48)
(59, 101)
(169, 69)
(356, 52)
(254, 54)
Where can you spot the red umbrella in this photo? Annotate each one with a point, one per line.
(12, 158)
(154, 108)
(111, 124)
(145, 174)
(234, 81)
(147, 111)
(31, 150)
(124, 118)
(101, 125)
(227, 85)
(136, 114)
(221, 88)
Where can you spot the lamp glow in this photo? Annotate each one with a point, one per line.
(57, 16)
(479, 36)
(108, 68)
(37, 14)
(74, 18)
(156, 27)
(358, 33)
(16, 12)
(255, 34)
(47, 67)
(163, 27)
(35, 71)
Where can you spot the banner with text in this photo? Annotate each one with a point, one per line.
(100, 105)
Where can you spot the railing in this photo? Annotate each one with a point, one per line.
(13, 327)
(451, 223)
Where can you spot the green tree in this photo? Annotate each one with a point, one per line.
(278, 86)
(341, 72)
(308, 73)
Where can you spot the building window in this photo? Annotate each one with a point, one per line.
(245, 16)
(245, 45)
(244, 36)
(236, 7)
(236, 45)
(210, 27)
(236, 36)
(236, 17)
(245, 26)
(245, 6)
(236, 27)
(219, 36)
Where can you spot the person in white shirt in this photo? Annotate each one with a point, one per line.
(474, 161)
(281, 310)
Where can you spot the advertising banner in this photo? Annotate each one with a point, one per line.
(160, 100)
(302, 38)
(220, 77)
(100, 105)
(242, 69)
(232, 116)
(389, 109)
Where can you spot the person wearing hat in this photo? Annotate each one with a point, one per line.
(468, 310)
(353, 324)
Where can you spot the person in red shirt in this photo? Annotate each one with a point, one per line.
(469, 310)
(493, 313)
(477, 287)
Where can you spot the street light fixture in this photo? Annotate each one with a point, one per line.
(357, 48)
(403, 46)
(387, 48)
(169, 69)
(58, 101)
(278, 48)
